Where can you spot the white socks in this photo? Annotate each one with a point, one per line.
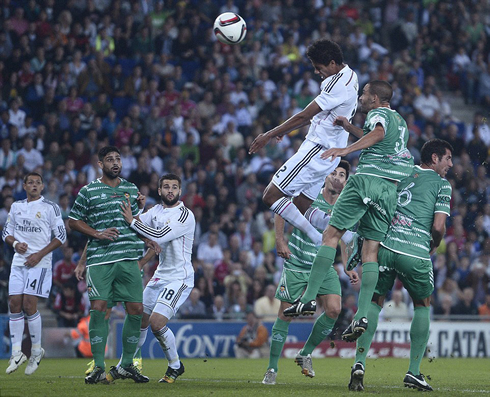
(285, 208)
(320, 220)
(167, 341)
(141, 342)
(35, 330)
(16, 324)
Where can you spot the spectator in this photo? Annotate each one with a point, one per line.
(210, 251)
(395, 309)
(252, 340)
(193, 308)
(267, 307)
(484, 309)
(466, 305)
(68, 306)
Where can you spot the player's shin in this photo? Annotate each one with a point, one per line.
(364, 342)
(321, 265)
(131, 337)
(322, 327)
(143, 334)
(370, 274)
(16, 325)
(98, 336)
(285, 208)
(35, 330)
(280, 331)
(166, 338)
(419, 335)
(317, 218)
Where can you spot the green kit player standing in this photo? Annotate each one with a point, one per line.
(299, 254)
(112, 260)
(368, 198)
(417, 228)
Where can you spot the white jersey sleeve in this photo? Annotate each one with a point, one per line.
(175, 229)
(57, 224)
(9, 227)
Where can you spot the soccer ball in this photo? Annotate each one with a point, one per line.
(230, 28)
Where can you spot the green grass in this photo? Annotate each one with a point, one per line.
(231, 377)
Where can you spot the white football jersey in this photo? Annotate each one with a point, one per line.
(34, 223)
(338, 97)
(173, 229)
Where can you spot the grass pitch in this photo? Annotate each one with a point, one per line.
(232, 377)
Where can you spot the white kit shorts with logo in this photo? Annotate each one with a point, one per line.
(165, 298)
(35, 281)
(305, 172)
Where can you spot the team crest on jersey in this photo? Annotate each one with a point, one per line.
(38, 215)
(126, 194)
(416, 176)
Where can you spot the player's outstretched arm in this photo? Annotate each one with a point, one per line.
(349, 127)
(150, 253)
(368, 140)
(293, 123)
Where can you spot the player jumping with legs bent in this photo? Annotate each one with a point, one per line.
(303, 174)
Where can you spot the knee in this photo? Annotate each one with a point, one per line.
(100, 306)
(157, 323)
(29, 307)
(134, 308)
(333, 311)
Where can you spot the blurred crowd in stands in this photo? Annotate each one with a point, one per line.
(150, 77)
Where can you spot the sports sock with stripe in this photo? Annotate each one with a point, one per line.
(321, 265)
(166, 338)
(419, 335)
(16, 325)
(279, 334)
(35, 330)
(322, 327)
(143, 334)
(285, 208)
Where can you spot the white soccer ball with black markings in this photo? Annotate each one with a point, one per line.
(230, 28)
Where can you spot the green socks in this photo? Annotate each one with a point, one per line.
(322, 327)
(370, 273)
(98, 336)
(321, 265)
(419, 336)
(278, 338)
(131, 337)
(364, 342)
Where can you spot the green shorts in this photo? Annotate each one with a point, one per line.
(119, 282)
(293, 283)
(369, 200)
(415, 274)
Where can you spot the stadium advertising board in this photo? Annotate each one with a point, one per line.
(212, 339)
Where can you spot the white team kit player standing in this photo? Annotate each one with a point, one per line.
(302, 176)
(172, 226)
(30, 225)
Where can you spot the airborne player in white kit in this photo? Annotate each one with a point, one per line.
(172, 226)
(302, 176)
(29, 229)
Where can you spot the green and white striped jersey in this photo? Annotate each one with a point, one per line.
(390, 157)
(420, 196)
(99, 206)
(303, 250)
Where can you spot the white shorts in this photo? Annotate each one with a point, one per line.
(305, 172)
(35, 281)
(164, 297)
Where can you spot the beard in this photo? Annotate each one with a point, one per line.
(109, 173)
(172, 202)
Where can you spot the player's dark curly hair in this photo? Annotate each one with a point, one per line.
(346, 166)
(33, 174)
(382, 89)
(170, 177)
(437, 146)
(106, 150)
(323, 51)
